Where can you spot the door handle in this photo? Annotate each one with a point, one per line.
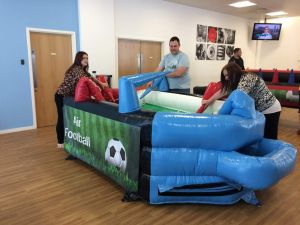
(33, 60)
(138, 57)
(142, 62)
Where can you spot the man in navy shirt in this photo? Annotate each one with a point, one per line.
(237, 53)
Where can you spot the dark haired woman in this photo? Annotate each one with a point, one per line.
(232, 77)
(77, 70)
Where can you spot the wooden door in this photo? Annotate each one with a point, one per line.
(136, 56)
(51, 56)
(128, 57)
(150, 56)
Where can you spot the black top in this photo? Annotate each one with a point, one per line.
(238, 61)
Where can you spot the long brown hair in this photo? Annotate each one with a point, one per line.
(77, 62)
(234, 74)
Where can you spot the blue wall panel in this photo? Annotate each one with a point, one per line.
(15, 16)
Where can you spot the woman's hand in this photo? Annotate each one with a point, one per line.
(99, 83)
(103, 85)
(205, 102)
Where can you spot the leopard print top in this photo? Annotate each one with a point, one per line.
(256, 88)
(67, 88)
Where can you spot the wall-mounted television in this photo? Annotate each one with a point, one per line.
(266, 31)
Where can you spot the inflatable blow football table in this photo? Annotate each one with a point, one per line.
(157, 148)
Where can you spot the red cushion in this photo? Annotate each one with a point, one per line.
(85, 89)
(82, 92)
(102, 79)
(108, 94)
(95, 90)
(211, 89)
(115, 92)
(275, 77)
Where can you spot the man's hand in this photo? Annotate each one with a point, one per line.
(149, 84)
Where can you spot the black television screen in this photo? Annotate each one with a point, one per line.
(266, 31)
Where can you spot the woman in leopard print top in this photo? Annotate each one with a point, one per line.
(72, 76)
(77, 70)
(232, 77)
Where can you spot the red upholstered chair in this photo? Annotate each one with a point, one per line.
(275, 79)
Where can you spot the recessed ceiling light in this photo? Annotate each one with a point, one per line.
(278, 13)
(242, 4)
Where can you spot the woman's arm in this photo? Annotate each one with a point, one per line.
(219, 94)
(99, 83)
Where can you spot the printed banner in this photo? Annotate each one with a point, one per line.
(108, 145)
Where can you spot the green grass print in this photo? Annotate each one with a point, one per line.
(279, 94)
(101, 130)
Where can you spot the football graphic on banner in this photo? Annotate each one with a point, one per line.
(115, 154)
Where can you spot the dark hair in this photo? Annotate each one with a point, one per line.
(236, 50)
(175, 39)
(234, 74)
(77, 61)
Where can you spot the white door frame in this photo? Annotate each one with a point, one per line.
(28, 31)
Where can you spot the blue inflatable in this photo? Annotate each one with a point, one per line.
(202, 158)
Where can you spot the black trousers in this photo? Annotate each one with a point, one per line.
(180, 91)
(271, 125)
(59, 100)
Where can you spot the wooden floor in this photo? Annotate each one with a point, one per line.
(37, 186)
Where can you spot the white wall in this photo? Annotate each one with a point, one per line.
(155, 20)
(104, 21)
(161, 20)
(97, 34)
(282, 54)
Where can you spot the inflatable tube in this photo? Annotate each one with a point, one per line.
(205, 131)
(260, 165)
(254, 167)
(128, 101)
(218, 132)
(183, 103)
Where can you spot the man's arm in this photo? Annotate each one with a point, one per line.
(182, 67)
(159, 69)
(178, 72)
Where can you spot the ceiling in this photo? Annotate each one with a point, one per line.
(292, 7)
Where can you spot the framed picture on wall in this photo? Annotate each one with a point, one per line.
(211, 52)
(200, 51)
(221, 36)
(229, 36)
(228, 51)
(214, 43)
(221, 52)
(212, 34)
(201, 33)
